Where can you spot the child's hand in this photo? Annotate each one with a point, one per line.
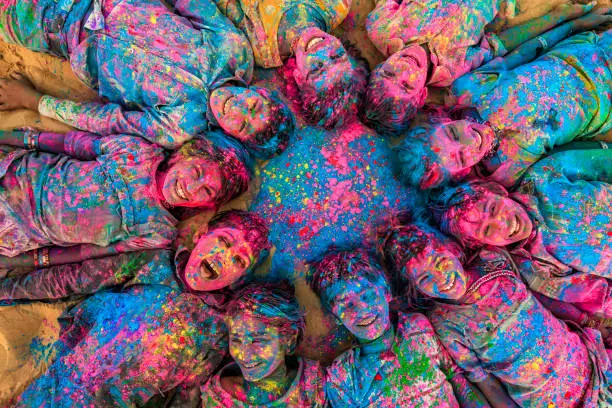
(567, 11)
(597, 18)
(18, 92)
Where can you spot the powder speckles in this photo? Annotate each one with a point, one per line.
(330, 188)
(42, 350)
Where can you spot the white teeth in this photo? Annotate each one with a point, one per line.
(514, 226)
(367, 321)
(226, 103)
(180, 192)
(250, 365)
(213, 268)
(478, 138)
(313, 41)
(211, 271)
(450, 284)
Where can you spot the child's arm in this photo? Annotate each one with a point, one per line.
(562, 310)
(156, 124)
(59, 255)
(61, 281)
(570, 166)
(467, 394)
(80, 145)
(531, 49)
(495, 393)
(79, 253)
(519, 34)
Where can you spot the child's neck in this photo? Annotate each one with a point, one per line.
(269, 389)
(378, 345)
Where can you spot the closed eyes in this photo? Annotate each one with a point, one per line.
(240, 261)
(387, 74)
(316, 70)
(338, 55)
(225, 241)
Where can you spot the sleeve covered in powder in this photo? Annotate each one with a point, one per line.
(67, 280)
(156, 124)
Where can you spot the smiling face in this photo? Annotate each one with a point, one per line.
(220, 258)
(438, 273)
(495, 220)
(461, 144)
(241, 112)
(194, 181)
(404, 75)
(321, 60)
(258, 348)
(362, 307)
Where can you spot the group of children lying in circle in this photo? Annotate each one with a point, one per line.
(496, 294)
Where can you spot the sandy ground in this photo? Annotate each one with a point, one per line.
(22, 326)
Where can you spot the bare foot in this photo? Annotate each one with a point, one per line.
(17, 93)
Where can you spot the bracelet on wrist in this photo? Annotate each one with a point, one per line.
(30, 139)
(43, 257)
(35, 255)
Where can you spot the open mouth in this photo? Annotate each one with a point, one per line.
(225, 104)
(312, 43)
(209, 271)
(367, 321)
(450, 284)
(180, 191)
(250, 365)
(515, 226)
(479, 138)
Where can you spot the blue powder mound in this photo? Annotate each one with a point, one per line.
(329, 188)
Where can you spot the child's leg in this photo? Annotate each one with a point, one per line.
(21, 23)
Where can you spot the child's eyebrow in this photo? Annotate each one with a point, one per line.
(232, 235)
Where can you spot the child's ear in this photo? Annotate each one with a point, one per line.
(388, 296)
(292, 342)
(198, 234)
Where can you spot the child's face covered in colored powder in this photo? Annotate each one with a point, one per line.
(220, 258)
(321, 61)
(241, 112)
(363, 308)
(495, 220)
(404, 75)
(192, 182)
(258, 348)
(461, 144)
(438, 273)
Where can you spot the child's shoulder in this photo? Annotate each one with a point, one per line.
(411, 322)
